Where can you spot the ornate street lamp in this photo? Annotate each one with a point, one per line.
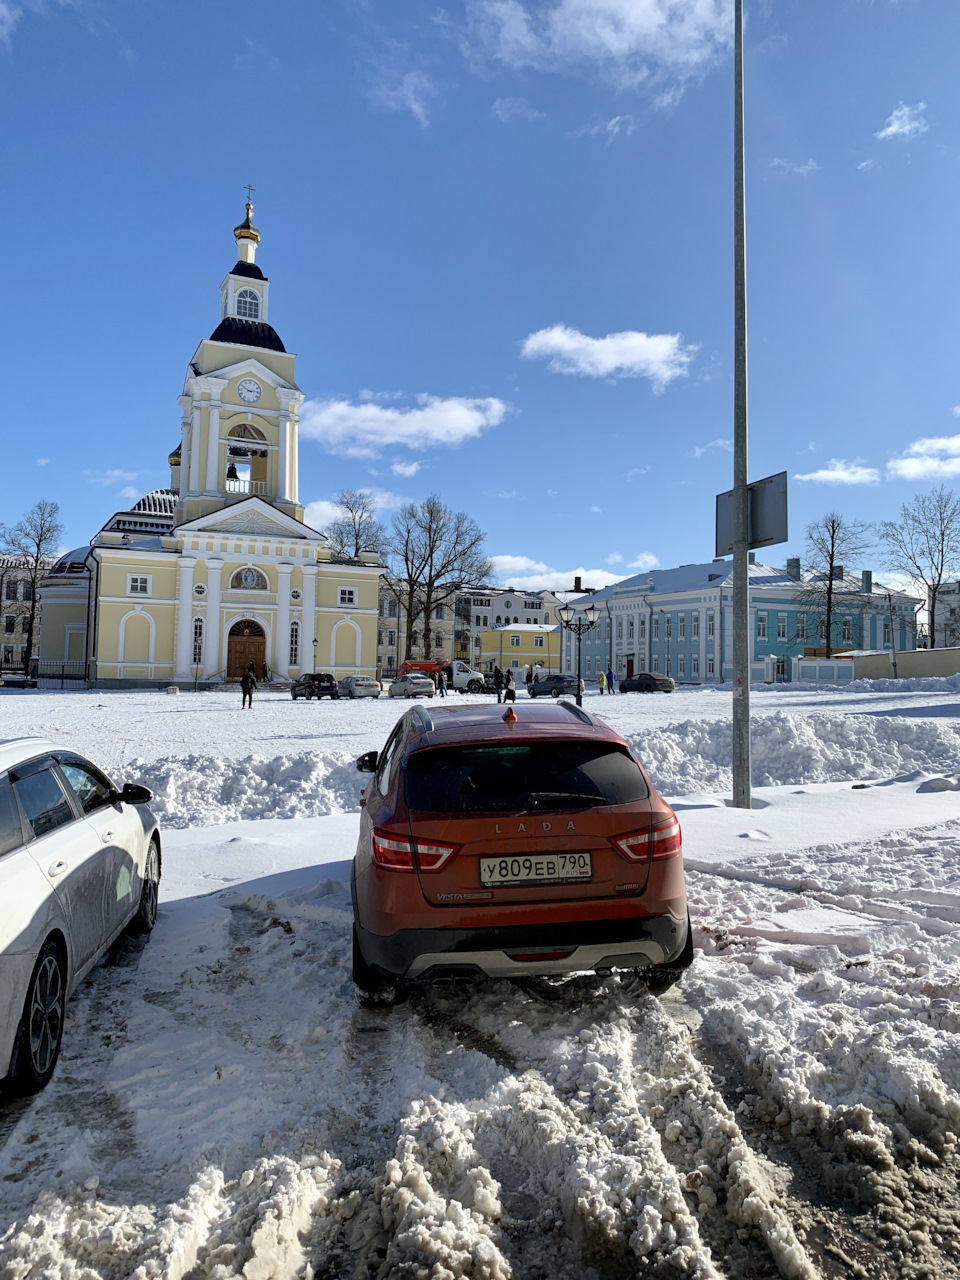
(314, 653)
(579, 627)
(197, 651)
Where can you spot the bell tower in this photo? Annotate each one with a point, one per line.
(240, 402)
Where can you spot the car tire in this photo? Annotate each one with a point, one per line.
(146, 916)
(37, 1046)
(351, 695)
(293, 694)
(661, 977)
(556, 692)
(474, 686)
(365, 978)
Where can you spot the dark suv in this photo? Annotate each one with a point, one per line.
(320, 684)
(553, 685)
(646, 682)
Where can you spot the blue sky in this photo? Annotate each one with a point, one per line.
(498, 234)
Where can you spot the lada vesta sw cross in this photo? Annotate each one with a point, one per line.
(514, 841)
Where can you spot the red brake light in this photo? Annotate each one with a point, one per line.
(432, 856)
(662, 840)
(391, 851)
(395, 853)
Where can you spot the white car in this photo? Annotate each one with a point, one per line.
(359, 687)
(412, 685)
(79, 864)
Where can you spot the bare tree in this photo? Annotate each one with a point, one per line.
(356, 530)
(432, 550)
(833, 542)
(924, 545)
(33, 540)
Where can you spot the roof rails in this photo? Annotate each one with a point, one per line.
(579, 712)
(424, 716)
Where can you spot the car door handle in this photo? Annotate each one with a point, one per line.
(106, 837)
(57, 868)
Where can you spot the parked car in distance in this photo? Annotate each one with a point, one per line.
(552, 686)
(359, 687)
(413, 685)
(79, 864)
(647, 682)
(319, 684)
(514, 842)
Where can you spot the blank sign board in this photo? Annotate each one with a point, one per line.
(767, 500)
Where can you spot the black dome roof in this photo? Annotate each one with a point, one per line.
(247, 269)
(247, 333)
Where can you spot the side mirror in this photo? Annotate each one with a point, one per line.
(367, 763)
(133, 793)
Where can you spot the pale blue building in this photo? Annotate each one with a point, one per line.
(679, 622)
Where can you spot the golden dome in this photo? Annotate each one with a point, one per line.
(246, 229)
(174, 458)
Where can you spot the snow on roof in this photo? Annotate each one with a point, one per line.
(158, 502)
(524, 626)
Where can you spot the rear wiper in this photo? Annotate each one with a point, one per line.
(561, 799)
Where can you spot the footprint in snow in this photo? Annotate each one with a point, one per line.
(755, 835)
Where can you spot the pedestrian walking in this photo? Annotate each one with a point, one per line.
(509, 686)
(441, 684)
(498, 683)
(247, 686)
(610, 686)
(601, 681)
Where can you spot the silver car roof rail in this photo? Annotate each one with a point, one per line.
(425, 718)
(579, 712)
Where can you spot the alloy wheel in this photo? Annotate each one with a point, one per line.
(46, 1015)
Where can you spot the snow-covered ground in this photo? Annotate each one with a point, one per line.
(225, 1106)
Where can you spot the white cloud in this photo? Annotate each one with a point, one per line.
(130, 493)
(866, 164)
(107, 478)
(637, 471)
(628, 41)
(904, 122)
(930, 458)
(645, 560)
(613, 558)
(701, 449)
(839, 471)
(10, 15)
(956, 410)
(405, 469)
(43, 462)
(792, 166)
(507, 494)
(506, 110)
(363, 430)
(526, 574)
(661, 357)
(407, 91)
(596, 511)
(608, 129)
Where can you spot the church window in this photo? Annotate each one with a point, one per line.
(294, 644)
(248, 304)
(197, 641)
(138, 584)
(348, 595)
(248, 580)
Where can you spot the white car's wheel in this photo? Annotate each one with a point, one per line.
(41, 1027)
(146, 916)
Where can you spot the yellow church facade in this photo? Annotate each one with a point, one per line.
(219, 570)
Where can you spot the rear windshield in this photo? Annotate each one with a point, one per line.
(522, 776)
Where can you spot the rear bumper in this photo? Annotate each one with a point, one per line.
(632, 943)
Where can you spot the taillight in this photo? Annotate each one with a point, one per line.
(662, 840)
(394, 853)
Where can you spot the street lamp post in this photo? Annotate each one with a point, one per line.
(197, 655)
(666, 636)
(578, 627)
(314, 653)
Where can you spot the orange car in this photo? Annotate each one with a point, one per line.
(513, 841)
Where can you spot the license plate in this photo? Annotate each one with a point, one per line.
(553, 868)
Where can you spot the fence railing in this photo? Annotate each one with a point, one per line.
(246, 486)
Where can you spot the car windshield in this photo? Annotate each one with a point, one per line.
(522, 776)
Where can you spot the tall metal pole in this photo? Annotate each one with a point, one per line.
(741, 533)
(579, 694)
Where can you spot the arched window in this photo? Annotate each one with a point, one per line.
(499, 619)
(294, 644)
(248, 304)
(248, 580)
(438, 640)
(546, 617)
(197, 641)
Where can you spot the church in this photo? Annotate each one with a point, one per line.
(219, 570)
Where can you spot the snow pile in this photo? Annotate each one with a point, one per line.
(909, 684)
(195, 790)
(788, 749)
